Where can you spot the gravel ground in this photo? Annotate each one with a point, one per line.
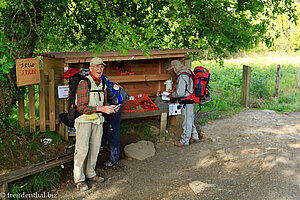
(251, 155)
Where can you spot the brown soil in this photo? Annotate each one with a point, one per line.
(251, 155)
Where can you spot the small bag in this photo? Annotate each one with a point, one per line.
(115, 93)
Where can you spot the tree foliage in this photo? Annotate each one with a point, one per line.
(220, 26)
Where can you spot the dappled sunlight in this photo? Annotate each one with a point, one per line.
(230, 166)
(206, 162)
(295, 145)
(286, 129)
(288, 172)
(271, 161)
(112, 192)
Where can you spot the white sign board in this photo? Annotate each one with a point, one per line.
(63, 92)
(175, 109)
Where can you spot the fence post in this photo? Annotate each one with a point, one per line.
(42, 102)
(51, 100)
(277, 81)
(245, 86)
(31, 102)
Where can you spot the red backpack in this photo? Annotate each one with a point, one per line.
(200, 78)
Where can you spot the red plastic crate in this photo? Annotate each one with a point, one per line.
(146, 103)
(122, 69)
(132, 106)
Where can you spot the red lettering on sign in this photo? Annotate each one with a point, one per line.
(29, 71)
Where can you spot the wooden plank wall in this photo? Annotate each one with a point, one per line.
(57, 65)
(149, 76)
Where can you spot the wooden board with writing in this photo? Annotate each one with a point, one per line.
(28, 71)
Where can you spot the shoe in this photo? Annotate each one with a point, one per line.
(194, 141)
(178, 144)
(108, 164)
(82, 186)
(97, 179)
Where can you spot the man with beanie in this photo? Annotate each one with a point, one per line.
(89, 126)
(184, 87)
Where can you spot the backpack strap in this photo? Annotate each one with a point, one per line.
(189, 75)
(90, 85)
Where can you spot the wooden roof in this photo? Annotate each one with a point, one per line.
(86, 56)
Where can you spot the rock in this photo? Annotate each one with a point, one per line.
(198, 186)
(140, 150)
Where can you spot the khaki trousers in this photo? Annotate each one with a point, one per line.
(88, 141)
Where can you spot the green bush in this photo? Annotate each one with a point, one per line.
(226, 85)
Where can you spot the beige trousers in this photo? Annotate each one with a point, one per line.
(88, 141)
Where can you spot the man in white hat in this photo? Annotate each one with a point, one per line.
(184, 87)
(89, 126)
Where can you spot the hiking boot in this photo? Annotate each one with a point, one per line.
(194, 141)
(97, 179)
(178, 144)
(82, 186)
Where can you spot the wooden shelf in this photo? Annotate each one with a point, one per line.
(139, 78)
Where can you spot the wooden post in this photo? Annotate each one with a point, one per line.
(172, 120)
(51, 100)
(163, 126)
(66, 102)
(42, 102)
(21, 111)
(31, 103)
(299, 77)
(245, 86)
(277, 81)
(163, 122)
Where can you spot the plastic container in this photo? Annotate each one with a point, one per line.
(146, 103)
(132, 106)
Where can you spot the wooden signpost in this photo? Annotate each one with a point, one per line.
(28, 71)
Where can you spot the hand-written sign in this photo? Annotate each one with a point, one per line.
(28, 71)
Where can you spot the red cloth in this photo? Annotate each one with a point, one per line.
(96, 79)
(70, 72)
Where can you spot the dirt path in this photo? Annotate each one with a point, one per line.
(255, 155)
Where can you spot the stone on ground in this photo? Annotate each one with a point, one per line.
(140, 150)
(198, 186)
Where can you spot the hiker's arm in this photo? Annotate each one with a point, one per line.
(107, 109)
(180, 88)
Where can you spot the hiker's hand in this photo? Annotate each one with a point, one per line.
(107, 109)
(171, 91)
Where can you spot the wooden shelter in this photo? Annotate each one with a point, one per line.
(148, 74)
